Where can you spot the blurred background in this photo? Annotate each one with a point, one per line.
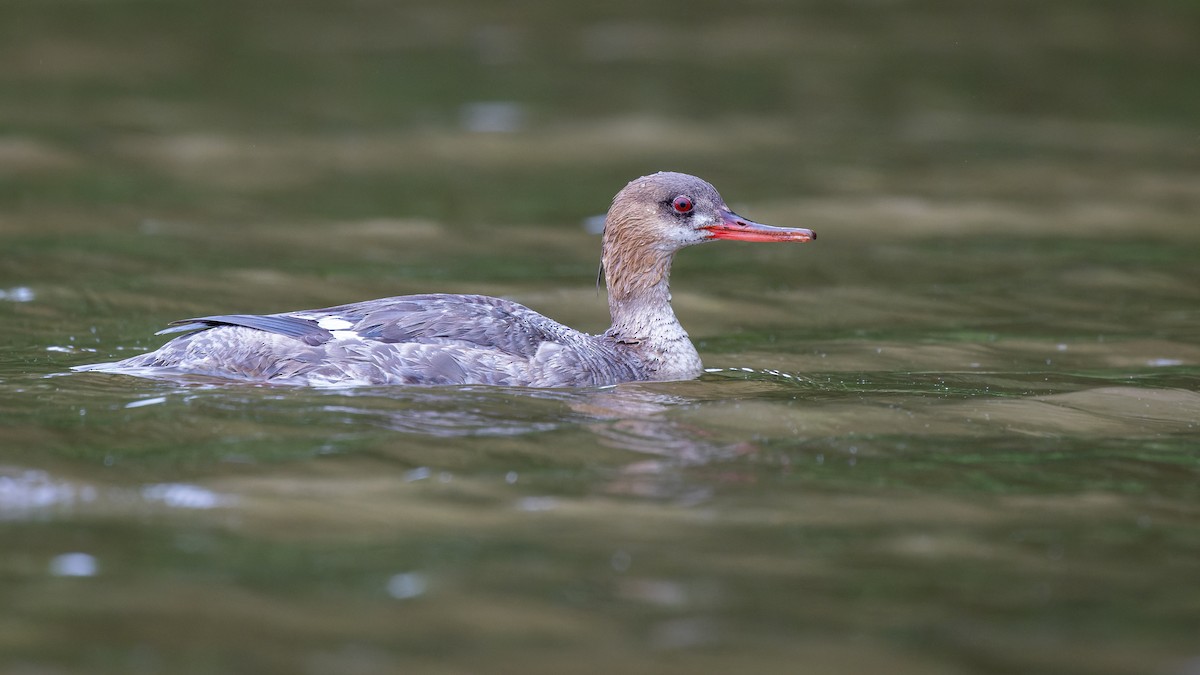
(958, 433)
(537, 112)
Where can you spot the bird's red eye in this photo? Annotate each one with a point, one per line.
(682, 204)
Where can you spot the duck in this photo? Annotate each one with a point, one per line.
(452, 339)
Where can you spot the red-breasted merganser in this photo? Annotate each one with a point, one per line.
(474, 339)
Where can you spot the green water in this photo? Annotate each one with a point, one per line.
(959, 433)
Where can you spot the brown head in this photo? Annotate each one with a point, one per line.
(654, 216)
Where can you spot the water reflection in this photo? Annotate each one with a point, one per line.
(720, 416)
(17, 294)
(25, 493)
(34, 494)
(766, 416)
(657, 423)
(633, 418)
(630, 417)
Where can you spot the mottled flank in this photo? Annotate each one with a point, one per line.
(416, 339)
(474, 339)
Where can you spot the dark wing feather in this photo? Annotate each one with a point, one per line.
(294, 327)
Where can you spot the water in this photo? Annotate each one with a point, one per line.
(959, 433)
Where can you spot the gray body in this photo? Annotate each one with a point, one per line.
(415, 339)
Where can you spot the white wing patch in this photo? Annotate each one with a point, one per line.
(333, 323)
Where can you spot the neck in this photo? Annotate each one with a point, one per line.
(639, 296)
(639, 299)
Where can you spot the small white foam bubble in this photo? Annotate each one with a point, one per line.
(407, 585)
(345, 335)
(594, 224)
(17, 294)
(537, 504)
(183, 496)
(419, 473)
(74, 565)
(24, 492)
(493, 117)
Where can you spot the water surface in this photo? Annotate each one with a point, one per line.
(959, 433)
